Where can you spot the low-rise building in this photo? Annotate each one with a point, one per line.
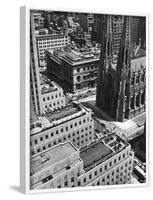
(107, 161)
(72, 122)
(52, 96)
(74, 69)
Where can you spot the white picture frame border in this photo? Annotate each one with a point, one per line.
(25, 103)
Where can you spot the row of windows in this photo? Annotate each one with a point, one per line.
(52, 97)
(122, 180)
(107, 180)
(87, 68)
(41, 47)
(137, 79)
(118, 173)
(42, 138)
(78, 142)
(67, 128)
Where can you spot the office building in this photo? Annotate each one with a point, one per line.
(44, 93)
(52, 96)
(72, 122)
(49, 42)
(107, 161)
(75, 70)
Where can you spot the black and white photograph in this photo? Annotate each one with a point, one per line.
(87, 100)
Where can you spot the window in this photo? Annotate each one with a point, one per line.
(100, 169)
(52, 134)
(72, 179)
(79, 183)
(49, 145)
(57, 132)
(84, 180)
(105, 167)
(43, 99)
(95, 173)
(65, 183)
(44, 147)
(41, 138)
(35, 141)
(78, 70)
(38, 150)
(46, 136)
(61, 129)
(68, 167)
(90, 176)
(137, 79)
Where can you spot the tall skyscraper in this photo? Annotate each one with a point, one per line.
(34, 70)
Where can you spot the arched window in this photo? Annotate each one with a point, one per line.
(132, 80)
(132, 102)
(126, 89)
(126, 56)
(143, 98)
(142, 77)
(137, 79)
(137, 100)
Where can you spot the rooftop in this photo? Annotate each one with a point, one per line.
(47, 86)
(99, 151)
(75, 57)
(53, 35)
(64, 112)
(51, 157)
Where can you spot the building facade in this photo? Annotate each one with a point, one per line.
(75, 70)
(72, 123)
(35, 92)
(52, 96)
(121, 83)
(50, 41)
(105, 162)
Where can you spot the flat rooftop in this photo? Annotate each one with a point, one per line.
(47, 86)
(94, 153)
(63, 112)
(51, 157)
(75, 57)
(99, 151)
(51, 36)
